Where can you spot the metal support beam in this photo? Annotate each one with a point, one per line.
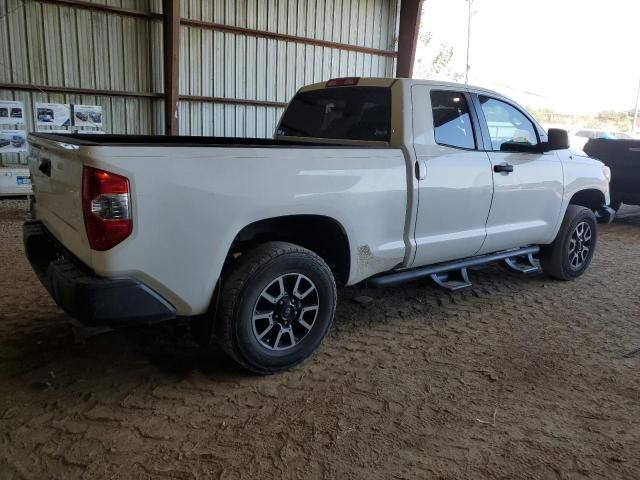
(232, 101)
(408, 36)
(96, 7)
(251, 32)
(45, 89)
(171, 24)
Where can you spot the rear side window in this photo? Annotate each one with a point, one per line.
(347, 113)
(451, 120)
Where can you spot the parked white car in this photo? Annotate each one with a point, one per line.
(376, 179)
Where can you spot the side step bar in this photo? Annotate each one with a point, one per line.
(452, 281)
(524, 264)
(440, 272)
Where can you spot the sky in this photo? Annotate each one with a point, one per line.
(575, 56)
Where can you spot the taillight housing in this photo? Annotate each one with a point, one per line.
(106, 205)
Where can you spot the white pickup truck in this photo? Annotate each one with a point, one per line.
(376, 179)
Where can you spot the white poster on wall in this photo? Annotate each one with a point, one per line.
(87, 115)
(11, 112)
(53, 114)
(13, 141)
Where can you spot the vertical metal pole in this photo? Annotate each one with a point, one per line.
(171, 42)
(466, 72)
(635, 115)
(409, 28)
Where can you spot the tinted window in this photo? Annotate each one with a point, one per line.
(507, 124)
(351, 113)
(451, 120)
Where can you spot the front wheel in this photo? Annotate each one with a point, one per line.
(276, 306)
(571, 252)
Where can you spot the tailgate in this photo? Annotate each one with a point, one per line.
(56, 174)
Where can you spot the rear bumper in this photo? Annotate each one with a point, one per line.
(605, 214)
(82, 294)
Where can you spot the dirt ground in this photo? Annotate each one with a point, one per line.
(521, 377)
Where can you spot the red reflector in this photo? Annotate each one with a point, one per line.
(106, 208)
(343, 82)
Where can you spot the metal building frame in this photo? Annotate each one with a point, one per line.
(407, 38)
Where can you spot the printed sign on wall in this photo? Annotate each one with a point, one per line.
(11, 112)
(53, 114)
(13, 141)
(87, 115)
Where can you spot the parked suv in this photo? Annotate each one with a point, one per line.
(623, 158)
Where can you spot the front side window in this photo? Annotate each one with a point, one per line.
(347, 113)
(507, 125)
(451, 120)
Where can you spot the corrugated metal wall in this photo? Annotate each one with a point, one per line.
(232, 65)
(62, 46)
(51, 45)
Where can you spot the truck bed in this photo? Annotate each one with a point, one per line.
(196, 200)
(94, 140)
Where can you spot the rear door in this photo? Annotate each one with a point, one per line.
(454, 178)
(528, 185)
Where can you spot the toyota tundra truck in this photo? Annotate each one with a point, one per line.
(371, 180)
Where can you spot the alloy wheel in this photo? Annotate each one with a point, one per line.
(285, 311)
(580, 244)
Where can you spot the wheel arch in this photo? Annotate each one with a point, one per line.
(591, 198)
(321, 234)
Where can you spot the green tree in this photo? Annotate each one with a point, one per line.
(431, 62)
(614, 120)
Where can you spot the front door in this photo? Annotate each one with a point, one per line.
(454, 178)
(528, 184)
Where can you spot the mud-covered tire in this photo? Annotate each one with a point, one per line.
(251, 304)
(567, 258)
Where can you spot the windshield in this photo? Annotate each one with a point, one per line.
(349, 113)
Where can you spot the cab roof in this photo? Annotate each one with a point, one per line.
(408, 82)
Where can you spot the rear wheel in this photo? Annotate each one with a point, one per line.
(276, 306)
(572, 251)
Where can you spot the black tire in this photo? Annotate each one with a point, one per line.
(559, 259)
(256, 276)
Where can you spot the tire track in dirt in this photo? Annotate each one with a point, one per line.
(406, 386)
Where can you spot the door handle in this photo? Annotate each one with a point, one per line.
(421, 170)
(503, 168)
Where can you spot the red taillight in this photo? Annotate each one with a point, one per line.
(342, 82)
(106, 208)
